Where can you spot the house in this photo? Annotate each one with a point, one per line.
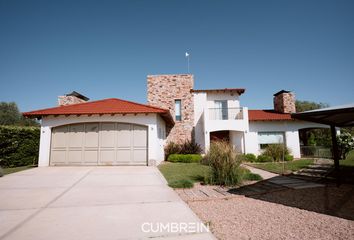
(119, 132)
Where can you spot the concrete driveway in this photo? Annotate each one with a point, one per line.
(62, 203)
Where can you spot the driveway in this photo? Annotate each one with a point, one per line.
(93, 203)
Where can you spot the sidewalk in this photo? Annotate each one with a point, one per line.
(264, 174)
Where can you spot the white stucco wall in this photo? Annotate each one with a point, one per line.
(152, 121)
(203, 125)
(290, 128)
(233, 100)
(161, 138)
(199, 106)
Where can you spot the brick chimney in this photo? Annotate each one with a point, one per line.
(72, 98)
(284, 102)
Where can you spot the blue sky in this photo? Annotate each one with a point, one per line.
(106, 48)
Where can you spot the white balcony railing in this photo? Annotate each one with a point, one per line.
(226, 113)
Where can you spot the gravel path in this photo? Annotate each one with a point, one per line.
(247, 218)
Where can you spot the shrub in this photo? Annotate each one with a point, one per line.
(1, 172)
(288, 157)
(185, 183)
(248, 175)
(19, 146)
(224, 162)
(345, 144)
(190, 147)
(250, 157)
(172, 148)
(276, 151)
(184, 158)
(264, 158)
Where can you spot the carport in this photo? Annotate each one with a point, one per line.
(338, 116)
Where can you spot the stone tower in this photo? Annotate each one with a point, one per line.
(163, 91)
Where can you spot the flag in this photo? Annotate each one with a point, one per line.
(187, 54)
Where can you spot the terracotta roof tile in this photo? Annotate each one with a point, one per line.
(105, 106)
(268, 115)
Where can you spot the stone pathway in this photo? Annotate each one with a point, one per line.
(264, 174)
(204, 192)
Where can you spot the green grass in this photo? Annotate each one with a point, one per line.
(184, 175)
(251, 176)
(177, 173)
(16, 169)
(349, 161)
(277, 167)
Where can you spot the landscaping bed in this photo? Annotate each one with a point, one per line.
(178, 174)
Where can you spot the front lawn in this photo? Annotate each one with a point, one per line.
(15, 169)
(349, 161)
(184, 175)
(277, 167)
(178, 173)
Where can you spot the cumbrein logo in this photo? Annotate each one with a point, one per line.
(175, 227)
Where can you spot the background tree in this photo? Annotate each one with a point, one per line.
(11, 115)
(302, 106)
(313, 137)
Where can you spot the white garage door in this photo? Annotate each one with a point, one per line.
(99, 144)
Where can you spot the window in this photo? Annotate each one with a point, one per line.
(266, 138)
(221, 110)
(178, 110)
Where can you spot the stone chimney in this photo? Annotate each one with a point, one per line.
(284, 102)
(72, 98)
(163, 91)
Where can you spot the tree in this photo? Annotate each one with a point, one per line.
(313, 137)
(345, 144)
(302, 106)
(11, 115)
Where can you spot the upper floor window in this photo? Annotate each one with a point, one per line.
(178, 110)
(221, 110)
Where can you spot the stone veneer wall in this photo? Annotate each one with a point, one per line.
(285, 103)
(67, 100)
(163, 90)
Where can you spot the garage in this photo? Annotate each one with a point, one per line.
(102, 143)
(108, 132)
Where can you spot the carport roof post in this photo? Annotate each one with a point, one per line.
(339, 116)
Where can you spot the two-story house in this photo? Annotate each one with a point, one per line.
(120, 132)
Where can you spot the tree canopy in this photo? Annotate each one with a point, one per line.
(11, 115)
(302, 106)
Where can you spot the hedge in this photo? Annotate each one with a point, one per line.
(19, 146)
(264, 158)
(250, 157)
(184, 158)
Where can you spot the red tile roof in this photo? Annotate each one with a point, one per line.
(105, 106)
(268, 115)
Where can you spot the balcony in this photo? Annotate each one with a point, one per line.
(229, 119)
(226, 113)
